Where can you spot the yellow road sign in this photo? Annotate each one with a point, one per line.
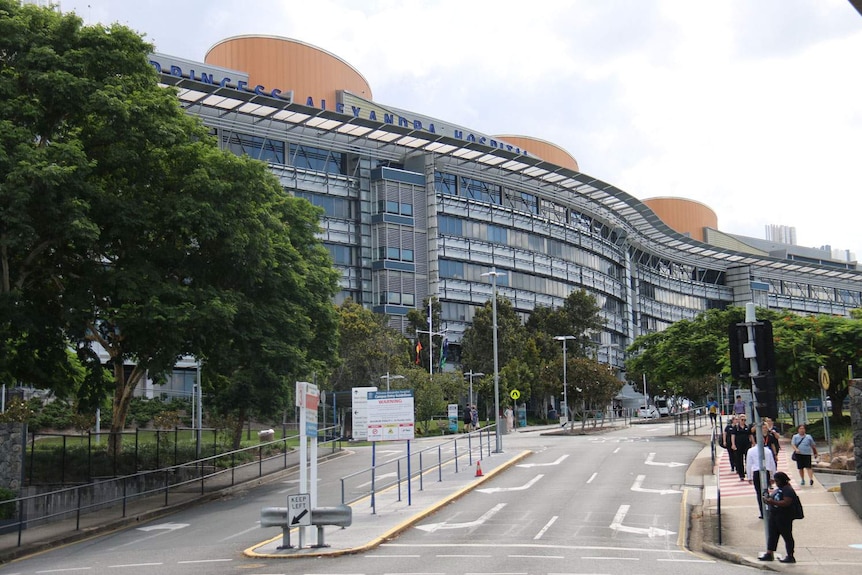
(514, 394)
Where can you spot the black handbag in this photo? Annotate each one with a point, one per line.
(793, 456)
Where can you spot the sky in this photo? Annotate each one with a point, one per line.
(752, 107)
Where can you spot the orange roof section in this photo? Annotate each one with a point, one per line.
(289, 64)
(688, 217)
(542, 149)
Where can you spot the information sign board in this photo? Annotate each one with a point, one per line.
(390, 415)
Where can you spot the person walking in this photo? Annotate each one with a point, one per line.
(752, 467)
(712, 408)
(468, 419)
(804, 449)
(782, 512)
(727, 441)
(741, 442)
(739, 406)
(771, 437)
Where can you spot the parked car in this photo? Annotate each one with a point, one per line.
(649, 412)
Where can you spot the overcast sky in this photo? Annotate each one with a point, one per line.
(752, 107)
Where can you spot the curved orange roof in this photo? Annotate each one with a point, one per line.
(685, 216)
(542, 149)
(289, 64)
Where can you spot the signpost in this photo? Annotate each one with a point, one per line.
(391, 417)
(360, 412)
(299, 510)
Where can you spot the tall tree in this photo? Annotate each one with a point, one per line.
(368, 348)
(477, 349)
(125, 223)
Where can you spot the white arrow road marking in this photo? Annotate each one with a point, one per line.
(636, 486)
(527, 485)
(649, 461)
(557, 462)
(617, 525)
(165, 526)
(432, 527)
(378, 478)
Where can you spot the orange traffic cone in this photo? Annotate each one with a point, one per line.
(479, 469)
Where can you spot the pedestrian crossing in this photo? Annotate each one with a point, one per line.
(731, 486)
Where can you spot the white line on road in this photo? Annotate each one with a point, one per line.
(393, 556)
(546, 527)
(136, 565)
(527, 485)
(593, 476)
(617, 450)
(636, 486)
(191, 561)
(617, 525)
(611, 558)
(557, 462)
(536, 557)
(432, 527)
(65, 570)
(651, 456)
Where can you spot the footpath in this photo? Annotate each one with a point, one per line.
(828, 539)
(721, 511)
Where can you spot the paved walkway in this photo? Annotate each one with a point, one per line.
(828, 540)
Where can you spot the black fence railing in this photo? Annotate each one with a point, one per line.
(70, 508)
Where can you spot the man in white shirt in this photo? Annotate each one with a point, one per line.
(752, 464)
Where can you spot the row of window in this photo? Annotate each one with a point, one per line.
(449, 225)
(392, 207)
(272, 151)
(394, 253)
(333, 206)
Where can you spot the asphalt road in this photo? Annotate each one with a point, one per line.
(607, 503)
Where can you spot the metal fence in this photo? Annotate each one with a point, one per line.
(70, 507)
(399, 472)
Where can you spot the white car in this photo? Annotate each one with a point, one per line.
(648, 412)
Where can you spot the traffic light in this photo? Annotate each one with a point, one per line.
(764, 348)
(766, 396)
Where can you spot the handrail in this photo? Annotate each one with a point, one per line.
(482, 436)
(106, 493)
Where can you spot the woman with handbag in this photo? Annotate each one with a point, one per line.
(804, 449)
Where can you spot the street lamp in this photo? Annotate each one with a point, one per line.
(387, 377)
(494, 273)
(471, 374)
(564, 339)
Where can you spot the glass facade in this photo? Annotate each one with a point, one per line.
(408, 214)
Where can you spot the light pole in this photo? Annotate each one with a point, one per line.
(387, 377)
(471, 374)
(494, 273)
(564, 339)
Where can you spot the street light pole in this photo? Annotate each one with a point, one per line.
(387, 377)
(499, 438)
(564, 339)
(471, 374)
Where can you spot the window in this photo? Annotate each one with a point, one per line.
(445, 184)
(255, 147)
(317, 159)
(497, 235)
(450, 226)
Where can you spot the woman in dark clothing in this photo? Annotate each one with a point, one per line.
(728, 442)
(782, 512)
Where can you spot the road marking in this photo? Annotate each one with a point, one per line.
(649, 461)
(617, 450)
(432, 527)
(65, 570)
(610, 558)
(546, 527)
(164, 526)
(137, 565)
(191, 561)
(593, 476)
(527, 485)
(557, 462)
(651, 532)
(243, 532)
(686, 560)
(636, 486)
(536, 557)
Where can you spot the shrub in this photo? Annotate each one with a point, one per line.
(7, 510)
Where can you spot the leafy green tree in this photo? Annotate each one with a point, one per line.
(137, 235)
(428, 397)
(579, 316)
(477, 345)
(594, 383)
(368, 348)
